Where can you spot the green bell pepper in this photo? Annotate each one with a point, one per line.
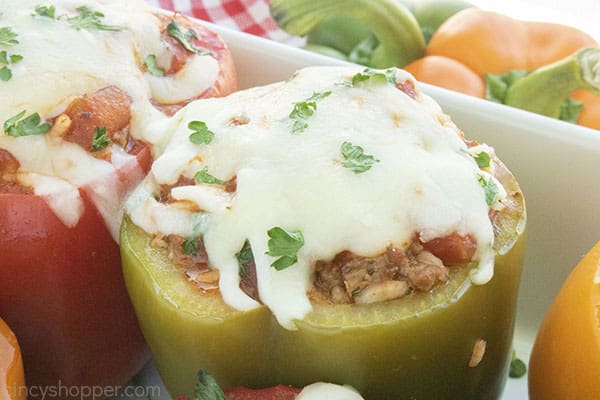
(421, 347)
(342, 33)
(399, 36)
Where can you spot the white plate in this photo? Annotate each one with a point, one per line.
(556, 163)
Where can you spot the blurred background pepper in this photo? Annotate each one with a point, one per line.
(469, 50)
(12, 379)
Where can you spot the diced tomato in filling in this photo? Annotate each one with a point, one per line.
(453, 249)
(408, 87)
(108, 108)
(9, 166)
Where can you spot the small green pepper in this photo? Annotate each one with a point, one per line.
(339, 32)
(545, 90)
(452, 343)
(399, 36)
(326, 51)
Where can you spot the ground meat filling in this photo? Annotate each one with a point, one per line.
(350, 278)
(189, 254)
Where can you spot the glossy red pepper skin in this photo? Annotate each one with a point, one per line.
(62, 292)
(280, 392)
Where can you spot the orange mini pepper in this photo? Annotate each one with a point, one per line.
(12, 379)
(447, 73)
(482, 42)
(488, 42)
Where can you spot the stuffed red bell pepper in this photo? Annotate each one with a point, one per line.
(80, 83)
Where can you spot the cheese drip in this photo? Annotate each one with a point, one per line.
(424, 182)
(329, 391)
(61, 63)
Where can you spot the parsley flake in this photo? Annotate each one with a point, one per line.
(201, 133)
(490, 188)
(388, 76)
(5, 73)
(482, 159)
(152, 67)
(5, 61)
(517, 366)
(204, 177)
(45, 11)
(190, 246)
(89, 19)
(285, 245)
(18, 126)
(7, 36)
(185, 36)
(305, 109)
(100, 140)
(15, 58)
(207, 388)
(244, 257)
(355, 158)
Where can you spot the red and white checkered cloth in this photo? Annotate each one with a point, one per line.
(250, 16)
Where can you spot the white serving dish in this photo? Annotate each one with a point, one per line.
(556, 163)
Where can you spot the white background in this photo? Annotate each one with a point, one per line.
(582, 14)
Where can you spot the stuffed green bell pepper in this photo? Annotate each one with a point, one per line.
(334, 227)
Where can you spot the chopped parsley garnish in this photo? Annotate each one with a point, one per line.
(204, 177)
(45, 11)
(389, 76)
(305, 109)
(89, 19)
(152, 67)
(5, 61)
(100, 140)
(355, 158)
(201, 133)
(185, 36)
(570, 110)
(517, 366)
(482, 159)
(18, 126)
(190, 246)
(490, 189)
(285, 245)
(7, 36)
(207, 388)
(5, 73)
(244, 257)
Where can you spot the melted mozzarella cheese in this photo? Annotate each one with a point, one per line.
(424, 182)
(61, 63)
(61, 196)
(188, 82)
(329, 391)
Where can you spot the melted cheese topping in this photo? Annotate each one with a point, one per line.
(424, 183)
(329, 391)
(61, 63)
